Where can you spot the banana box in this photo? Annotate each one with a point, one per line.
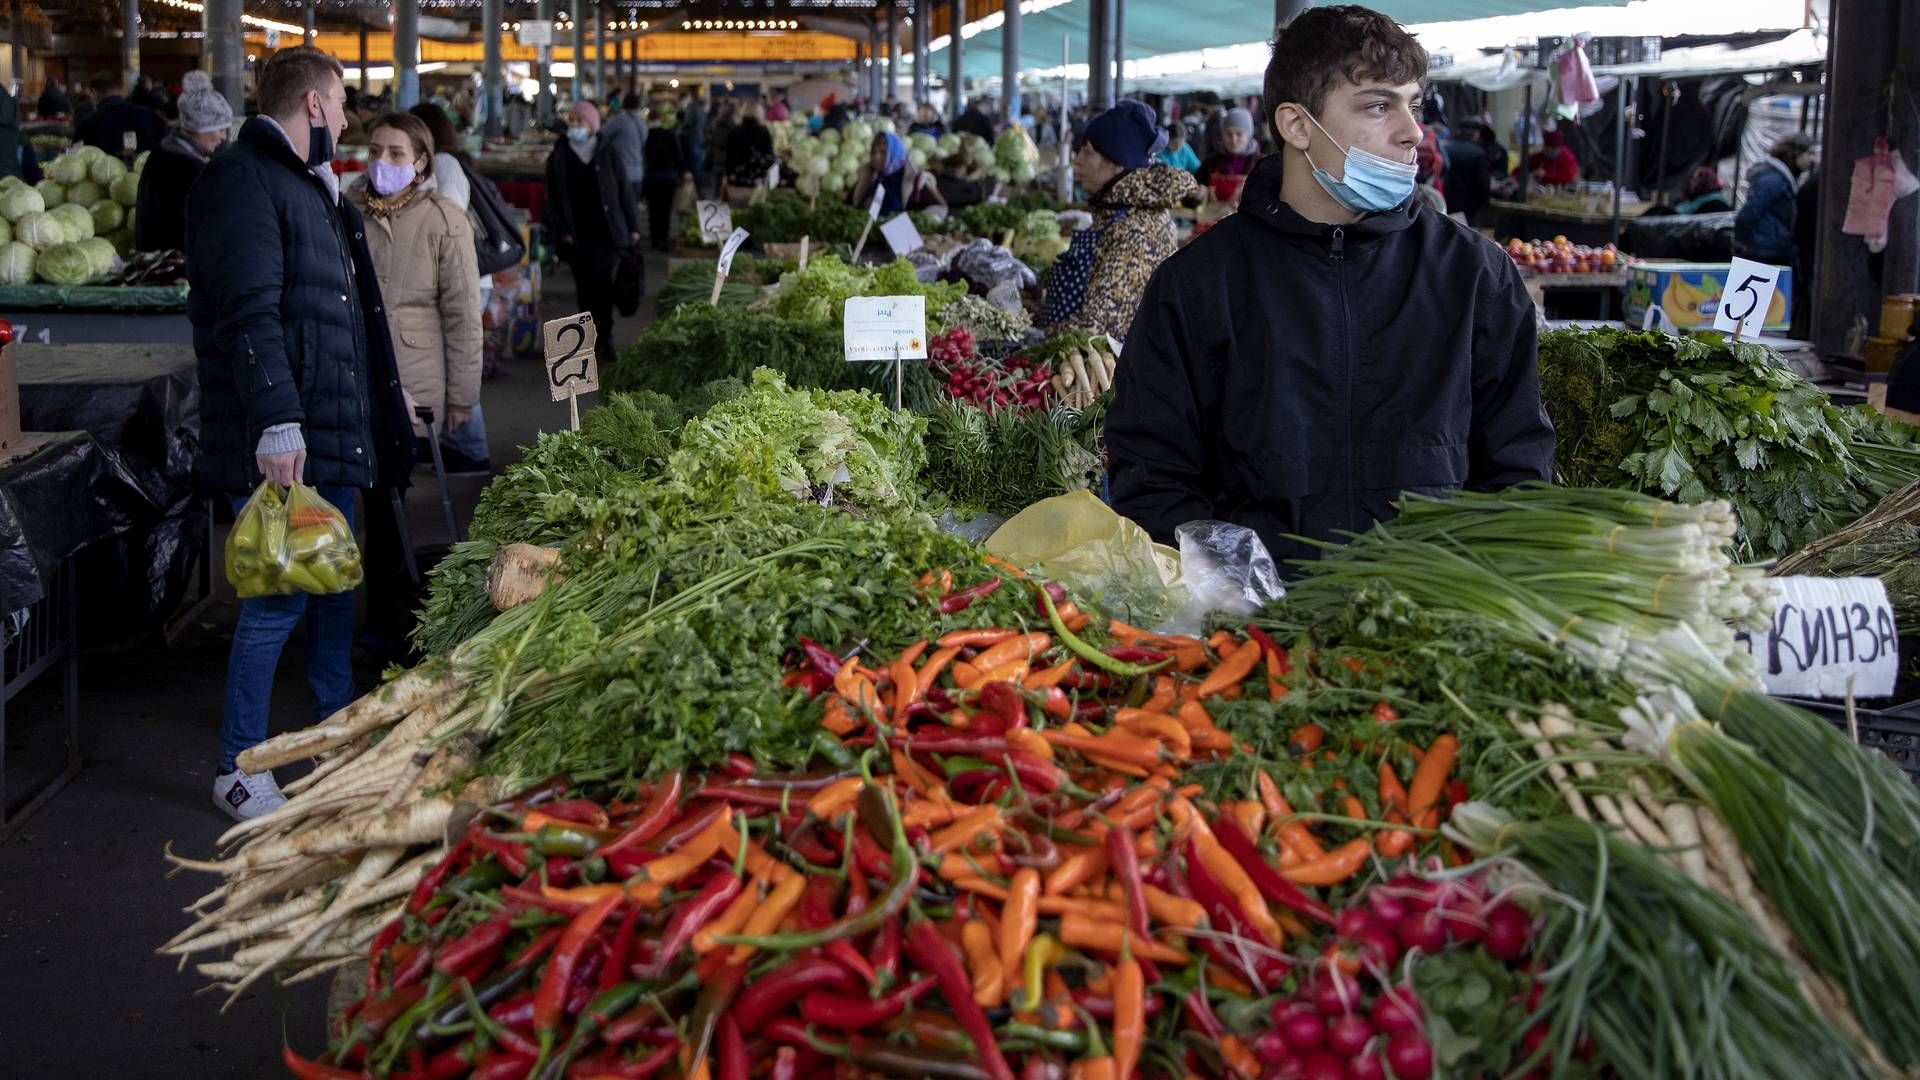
(1688, 294)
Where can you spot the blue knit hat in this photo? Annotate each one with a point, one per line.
(1126, 134)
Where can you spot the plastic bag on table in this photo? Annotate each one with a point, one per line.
(1080, 542)
(1226, 570)
(299, 542)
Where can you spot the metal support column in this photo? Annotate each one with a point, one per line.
(1526, 141)
(1117, 45)
(226, 58)
(872, 84)
(406, 54)
(1285, 11)
(1901, 274)
(1862, 55)
(1099, 59)
(309, 27)
(893, 51)
(130, 43)
(1010, 62)
(543, 68)
(363, 57)
(1621, 106)
(579, 50)
(956, 71)
(922, 33)
(16, 56)
(600, 50)
(492, 88)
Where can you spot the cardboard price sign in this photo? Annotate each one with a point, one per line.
(572, 368)
(716, 220)
(1829, 637)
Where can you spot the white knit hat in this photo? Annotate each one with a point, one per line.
(201, 108)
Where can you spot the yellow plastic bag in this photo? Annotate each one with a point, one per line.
(299, 542)
(1080, 542)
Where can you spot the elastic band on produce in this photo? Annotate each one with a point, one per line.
(1659, 584)
(1613, 537)
(1569, 625)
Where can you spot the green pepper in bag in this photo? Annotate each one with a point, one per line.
(296, 543)
(256, 547)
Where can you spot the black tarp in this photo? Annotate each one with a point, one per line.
(68, 493)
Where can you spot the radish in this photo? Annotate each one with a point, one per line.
(1303, 1031)
(1283, 1009)
(1396, 1011)
(1271, 1048)
(1349, 1034)
(1463, 925)
(1352, 922)
(1386, 908)
(1334, 992)
(1366, 1066)
(1377, 949)
(1509, 932)
(1322, 1065)
(1534, 1045)
(1424, 931)
(1409, 1057)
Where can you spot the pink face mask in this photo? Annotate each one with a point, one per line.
(388, 178)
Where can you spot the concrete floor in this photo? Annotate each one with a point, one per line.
(85, 896)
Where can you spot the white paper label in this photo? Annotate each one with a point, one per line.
(885, 328)
(901, 236)
(1825, 632)
(571, 366)
(773, 176)
(873, 208)
(716, 220)
(728, 249)
(536, 32)
(1748, 295)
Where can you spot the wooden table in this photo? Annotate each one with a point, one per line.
(1531, 221)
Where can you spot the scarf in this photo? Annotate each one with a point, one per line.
(584, 150)
(178, 143)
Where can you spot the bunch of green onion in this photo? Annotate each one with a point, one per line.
(1670, 979)
(1621, 579)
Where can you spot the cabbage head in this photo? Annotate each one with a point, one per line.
(8, 183)
(122, 241)
(52, 192)
(64, 264)
(41, 231)
(105, 169)
(76, 219)
(100, 255)
(69, 168)
(6, 232)
(16, 203)
(16, 264)
(85, 193)
(107, 216)
(140, 161)
(126, 190)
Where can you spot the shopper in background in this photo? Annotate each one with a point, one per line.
(160, 213)
(115, 117)
(54, 100)
(625, 133)
(726, 117)
(749, 149)
(778, 111)
(1212, 128)
(1239, 155)
(464, 449)
(1763, 228)
(1096, 285)
(693, 132)
(592, 214)
(83, 103)
(1330, 346)
(975, 121)
(1482, 133)
(1177, 154)
(1554, 164)
(1469, 176)
(926, 121)
(905, 187)
(662, 172)
(297, 374)
(1706, 193)
(146, 94)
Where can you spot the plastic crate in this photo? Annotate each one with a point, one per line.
(1894, 732)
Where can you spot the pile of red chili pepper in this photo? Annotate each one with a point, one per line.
(1004, 874)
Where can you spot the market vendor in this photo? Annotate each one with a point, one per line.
(1096, 285)
(1241, 153)
(160, 214)
(1334, 343)
(905, 187)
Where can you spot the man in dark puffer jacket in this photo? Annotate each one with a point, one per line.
(297, 375)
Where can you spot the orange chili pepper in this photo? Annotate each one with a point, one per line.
(929, 676)
(912, 653)
(669, 868)
(581, 894)
(1230, 672)
(906, 689)
(1012, 671)
(1029, 740)
(983, 962)
(1238, 1057)
(1276, 667)
(1162, 727)
(1293, 832)
(1227, 870)
(767, 917)
(1076, 869)
(1018, 917)
(1423, 795)
(1305, 739)
(1332, 868)
(838, 718)
(917, 778)
(1222, 642)
(1096, 935)
(931, 813)
(1049, 678)
(1119, 746)
(1353, 808)
(1129, 1012)
(1124, 634)
(995, 560)
(976, 639)
(963, 831)
(1018, 647)
(1251, 817)
(729, 921)
(838, 796)
(965, 675)
(1393, 794)
(1163, 697)
(1270, 797)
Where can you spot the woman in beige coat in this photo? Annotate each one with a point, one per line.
(423, 253)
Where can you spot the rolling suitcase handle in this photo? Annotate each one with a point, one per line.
(425, 414)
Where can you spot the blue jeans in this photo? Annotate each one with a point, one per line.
(265, 624)
(471, 439)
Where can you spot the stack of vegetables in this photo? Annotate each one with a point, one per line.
(71, 227)
(1702, 418)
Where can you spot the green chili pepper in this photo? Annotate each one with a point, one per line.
(1090, 654)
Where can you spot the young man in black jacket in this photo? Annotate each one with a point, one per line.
(297, 375)
(1333, 343)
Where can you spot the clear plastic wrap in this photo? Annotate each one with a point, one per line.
(1225, 569)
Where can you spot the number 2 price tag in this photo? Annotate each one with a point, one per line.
(1747, 298)
(716, 220)
(731, 248)
(572, 369)
(873, 208)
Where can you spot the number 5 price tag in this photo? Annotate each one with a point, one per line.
(1747, 298)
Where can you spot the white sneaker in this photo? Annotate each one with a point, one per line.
(247, 795)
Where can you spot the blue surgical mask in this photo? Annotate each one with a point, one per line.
(1372, 183)
(578, 133)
